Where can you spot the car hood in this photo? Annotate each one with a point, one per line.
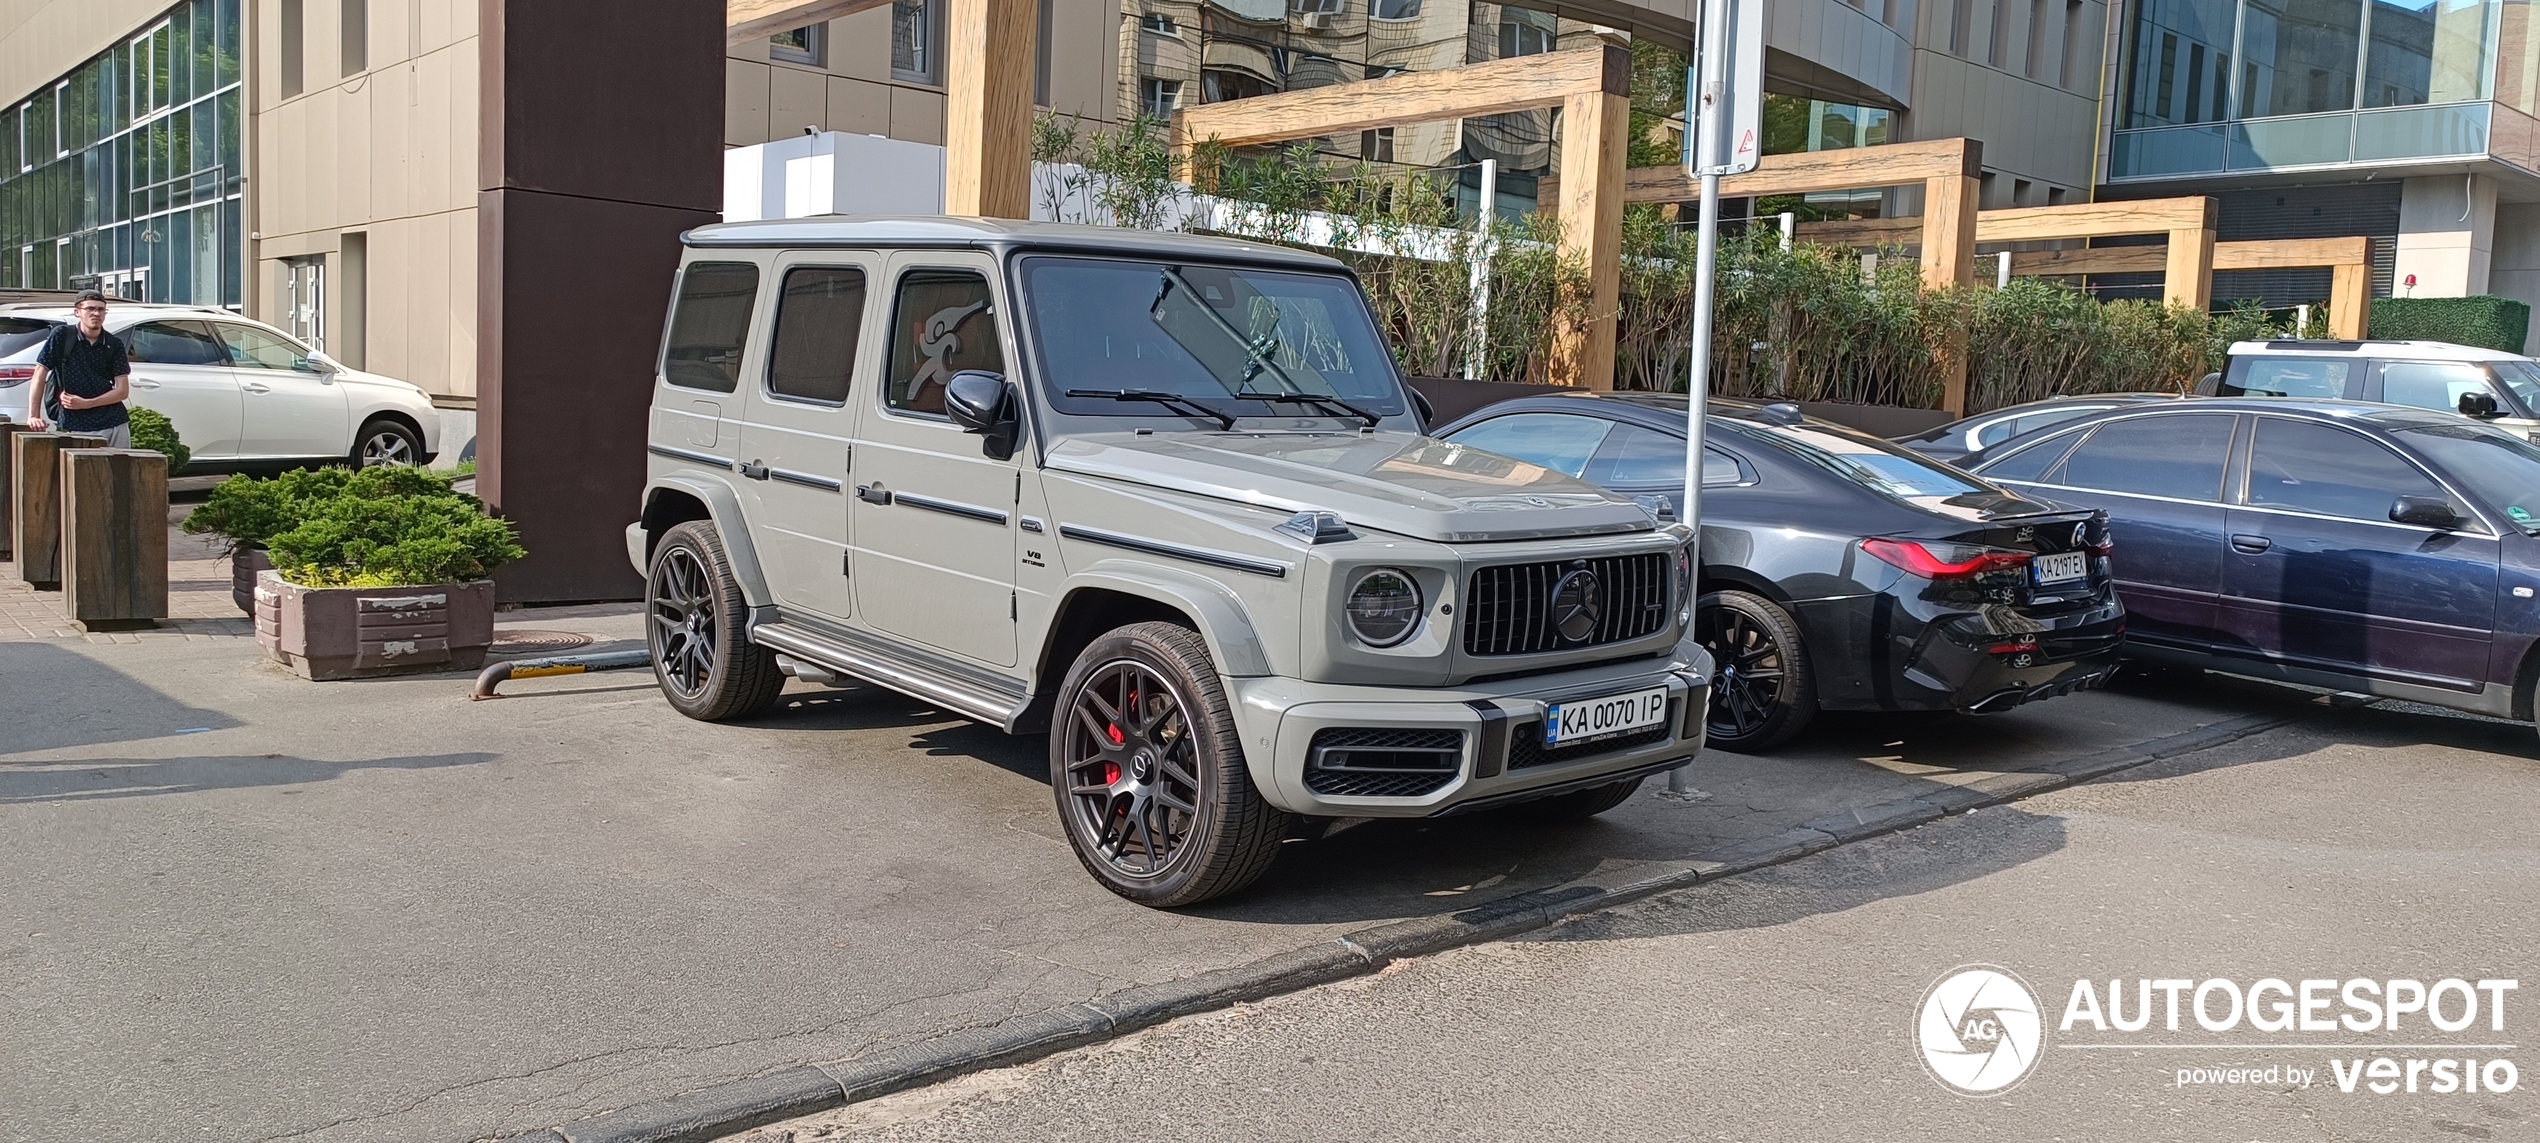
(1392, 482)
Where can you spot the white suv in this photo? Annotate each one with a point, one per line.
(241, 393)
(1162, 497)
(2500, 388)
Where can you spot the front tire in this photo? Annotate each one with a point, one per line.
(1148, 770)
(1762, 691)
(383, 441)
(695, 624)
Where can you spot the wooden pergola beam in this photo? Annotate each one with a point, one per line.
(1497, 87)
(989, 51)
(2347, 259)
(746, 20)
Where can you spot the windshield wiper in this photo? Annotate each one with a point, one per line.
(1371, 418)
(1224, 420)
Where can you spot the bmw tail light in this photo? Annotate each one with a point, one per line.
(1933, 560)
(14, 375)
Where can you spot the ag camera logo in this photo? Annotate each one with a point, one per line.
(1978, 1030)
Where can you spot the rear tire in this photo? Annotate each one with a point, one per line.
(383, 441)
(1579, 805)
(1148, 769)
(696, 626)
(1762, 691)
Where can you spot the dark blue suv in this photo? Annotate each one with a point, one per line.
(2360, 547)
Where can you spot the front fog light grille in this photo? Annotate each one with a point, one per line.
(1382, 762)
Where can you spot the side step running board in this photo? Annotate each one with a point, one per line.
(877, 666)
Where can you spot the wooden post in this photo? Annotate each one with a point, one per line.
(8, 464)
(1949, 262)
(35, 487)
(2188, 278)
(989, 65)
(2349, 300)
(1592, 153)
(114, 538)
(748, 20)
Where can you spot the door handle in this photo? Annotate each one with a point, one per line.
(873, 494)
(2251, 544)
(138, 383)
(754, 470)
(257, 387)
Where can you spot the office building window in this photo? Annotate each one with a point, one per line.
(2034, 64)
(916, 31)
(125, 174)
(356, 36)
(2067, 76)
(1524, 33)
(1997, 47)
(294, 50)
(1042, 35)
(1161, 24)
(808, 44)
(1395, 9)
(1159, 97)
(2304, 57)
(1376, 146)
(1962, 17)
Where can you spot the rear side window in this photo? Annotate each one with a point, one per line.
(2032, 462)
(2175, 456)
(818, 317)
(20, 334)
(711, 326)
(2273, 376)
(2311, 467)
(1558, 441)
(2436, 385)
(174, 343)
(1636, 456)
(943, 323)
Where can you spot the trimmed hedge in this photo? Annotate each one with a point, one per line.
(152, 430)
(2487, 322)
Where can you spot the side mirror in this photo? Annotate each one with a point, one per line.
(2425, 511)
(1661, 508)
(982, 403)
(2478, 404)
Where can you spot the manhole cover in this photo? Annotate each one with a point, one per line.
(538, 642)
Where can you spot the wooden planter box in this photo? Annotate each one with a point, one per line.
(246, 561)
(356, 632)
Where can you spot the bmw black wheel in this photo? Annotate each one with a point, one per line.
(1149, 771)
(1761, 692)
(705, 662)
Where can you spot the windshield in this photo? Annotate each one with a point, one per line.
(18, 334)
(1241, 341)
(2523, 378)
(1875, 465)
(2501, 468)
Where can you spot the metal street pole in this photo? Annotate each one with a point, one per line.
(1477, 338)
(1707, 126)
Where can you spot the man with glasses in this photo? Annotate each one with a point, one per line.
(82, 377)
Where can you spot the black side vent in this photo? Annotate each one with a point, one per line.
(1373, 762)
(1508, 609)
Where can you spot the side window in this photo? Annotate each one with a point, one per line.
(1997, 432)
(2436, 385)
(2175, 456)
(1558, 441)
(2031, 463)
(818, 317)
(2310, 467)
(943, 322)
(710, 326)
(174, 343)
(1634, 456)
(2273, 376)
(251, 348)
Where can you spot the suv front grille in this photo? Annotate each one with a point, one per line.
(1508, 609)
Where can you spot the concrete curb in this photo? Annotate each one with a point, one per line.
(711, 1113)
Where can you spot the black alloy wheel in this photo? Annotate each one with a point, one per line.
(706, 665)
(1149, 771)
(1761, 692)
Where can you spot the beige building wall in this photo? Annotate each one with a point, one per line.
(389, 153)
(767, 98)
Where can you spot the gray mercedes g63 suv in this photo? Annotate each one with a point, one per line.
(1162, 497)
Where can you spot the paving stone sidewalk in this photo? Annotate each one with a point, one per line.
(199, 606)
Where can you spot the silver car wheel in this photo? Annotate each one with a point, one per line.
(387, 446)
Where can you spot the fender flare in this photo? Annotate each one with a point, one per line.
(723, 507)
(1224, 623)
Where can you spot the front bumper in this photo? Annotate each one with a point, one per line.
(1497, 748)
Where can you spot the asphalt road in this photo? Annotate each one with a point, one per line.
(235, 905)
(1779, 1004)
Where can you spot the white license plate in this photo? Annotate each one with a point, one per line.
(1583, 719)
(2059, 567)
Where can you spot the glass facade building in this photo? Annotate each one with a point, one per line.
(2214, 86)
(125, 174)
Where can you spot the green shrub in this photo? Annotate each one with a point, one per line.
(393, 541)
(151, 430)
(2486, 322)
(248, 511)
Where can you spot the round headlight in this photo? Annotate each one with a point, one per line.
(1384, 607)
